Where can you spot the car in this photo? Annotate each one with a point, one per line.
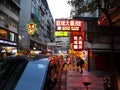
(22, 73)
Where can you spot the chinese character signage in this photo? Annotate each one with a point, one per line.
(68, 24)
(77, 43)
(77, 40)
(31, 28)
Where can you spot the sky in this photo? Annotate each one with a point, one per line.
(59, 8)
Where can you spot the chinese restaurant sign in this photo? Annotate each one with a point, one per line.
(77, 40)
(78, 43)
(68, 24)
(31, 28)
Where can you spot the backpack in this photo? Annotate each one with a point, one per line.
(81, 62)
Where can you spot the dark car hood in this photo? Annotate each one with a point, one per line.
(24, 75)
(34, 75)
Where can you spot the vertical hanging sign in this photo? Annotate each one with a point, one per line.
(77, 40)
(31, 27)
(77, 43)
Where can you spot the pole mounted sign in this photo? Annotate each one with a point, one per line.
(31, 27)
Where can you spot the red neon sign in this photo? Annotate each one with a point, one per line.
(31, 28)
(68, 24)
(77, 42)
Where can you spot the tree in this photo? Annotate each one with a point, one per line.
(106, 7)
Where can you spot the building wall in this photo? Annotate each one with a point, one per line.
(8, 18)
(9, 21)
(25, 17)
(38, 12)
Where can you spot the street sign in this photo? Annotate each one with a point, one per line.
(52, 44)
(62, 38)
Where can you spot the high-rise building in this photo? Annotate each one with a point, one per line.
(9, 21)
(36, 12)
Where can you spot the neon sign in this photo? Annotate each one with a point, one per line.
(8, 42)
(77, 40)
(68, 24)
(77, 43)
(61, 33)
(31, 28)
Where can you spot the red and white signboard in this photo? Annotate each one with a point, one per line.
(68, 24)
(77, 43)
(77, 40)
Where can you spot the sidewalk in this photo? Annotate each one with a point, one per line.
(75, 80)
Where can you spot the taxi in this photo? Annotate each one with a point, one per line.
(22, 73)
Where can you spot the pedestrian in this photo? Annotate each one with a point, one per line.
(68, 61)
(81, 62)
(73, 62)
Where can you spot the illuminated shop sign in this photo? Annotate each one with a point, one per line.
(77, 40)
(61, 34)
(8, 42)
(68, 24)
(31, 27)
(3, 33)
(77, 43)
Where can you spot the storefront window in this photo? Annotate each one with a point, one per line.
(12, 37)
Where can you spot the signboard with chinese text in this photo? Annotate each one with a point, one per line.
(68, 25)
(77, 43)
(77, 40)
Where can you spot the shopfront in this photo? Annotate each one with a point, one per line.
(8, 43)
(7, 48)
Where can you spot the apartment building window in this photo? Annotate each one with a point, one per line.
(2, 17)
(13, 37)
(13, 23)
(8, 20)
(10, 7)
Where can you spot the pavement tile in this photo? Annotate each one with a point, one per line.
(75, 80)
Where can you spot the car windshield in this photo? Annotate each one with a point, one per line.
(10, 72)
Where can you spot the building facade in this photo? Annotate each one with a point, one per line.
(37, 12)
(100, 42)
(9, 21)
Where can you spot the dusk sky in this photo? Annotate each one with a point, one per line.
(59, 8)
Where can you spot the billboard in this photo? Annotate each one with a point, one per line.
(68, 24)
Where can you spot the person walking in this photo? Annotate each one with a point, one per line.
(68, 61)
(81, 62)
(73, 62)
